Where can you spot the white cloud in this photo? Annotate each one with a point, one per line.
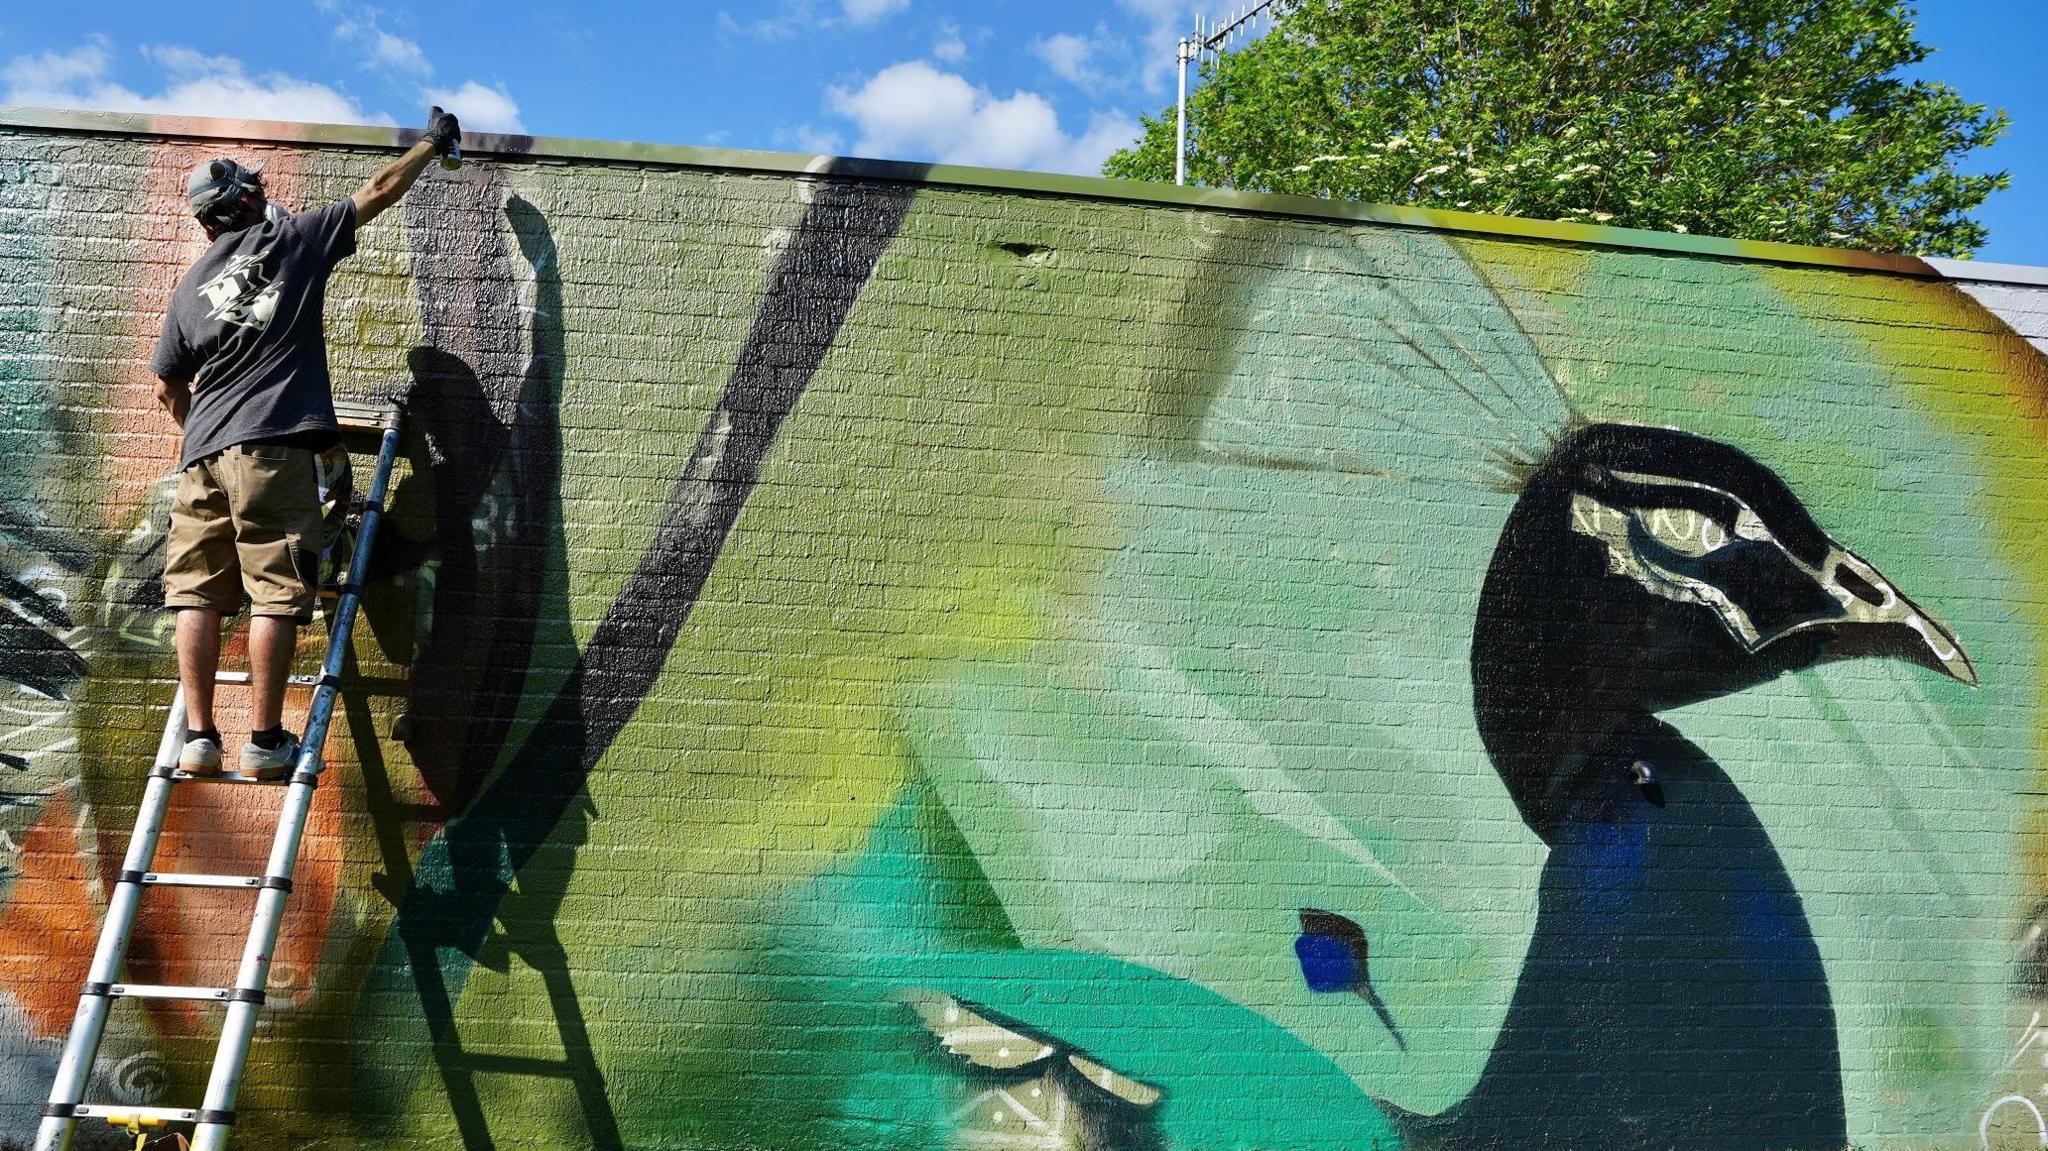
(400, 54)
(811, 138)
(1133, 55)
(480, 108)
(786, 19)
(57, 70)
(382, 51)
(1069, 58)
(1107, 132)
(915, 111)
(193, 84)
(730, 25)
(868, 11)
(950, 46)
(180, 61)
(783, 21)
(1165, 21)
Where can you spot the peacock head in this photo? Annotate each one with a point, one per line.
(1673, 568)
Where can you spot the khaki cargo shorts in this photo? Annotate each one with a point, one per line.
(246, 521)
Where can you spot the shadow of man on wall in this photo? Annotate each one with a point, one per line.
(488, 562)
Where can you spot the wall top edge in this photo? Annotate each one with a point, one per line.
(550, 148)
(1984, 272)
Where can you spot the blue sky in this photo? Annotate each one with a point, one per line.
(1053, 85)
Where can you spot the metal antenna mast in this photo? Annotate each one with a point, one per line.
(1209, 37)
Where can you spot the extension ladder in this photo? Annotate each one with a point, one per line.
(216, 1114)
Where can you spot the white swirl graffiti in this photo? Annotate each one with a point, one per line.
(2033, 1036)
(139, 1079)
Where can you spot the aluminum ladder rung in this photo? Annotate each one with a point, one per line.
(183, 776)
(359, 419)
(232, 678)
(120, 1112)
(195, 879)
(242, 1001)
(169, 991)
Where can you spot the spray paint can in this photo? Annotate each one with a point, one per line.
(451, 160)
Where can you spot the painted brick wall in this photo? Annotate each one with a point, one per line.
(891, 665)
(2023, 306)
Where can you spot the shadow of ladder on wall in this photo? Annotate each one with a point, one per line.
(215, 1116)
(460, 1067)
(531, 938)
(524, 923)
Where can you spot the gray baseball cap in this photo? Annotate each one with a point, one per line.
(219, 181)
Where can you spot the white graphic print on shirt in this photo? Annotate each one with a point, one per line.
(242, 294)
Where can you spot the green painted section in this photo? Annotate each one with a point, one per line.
(1107, 599)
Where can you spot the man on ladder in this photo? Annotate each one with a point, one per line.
(244, 372)
(242, 366)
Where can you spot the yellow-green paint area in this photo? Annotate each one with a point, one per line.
(1090, 592)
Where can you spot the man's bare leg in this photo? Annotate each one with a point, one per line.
(272, 642)
(198, 662)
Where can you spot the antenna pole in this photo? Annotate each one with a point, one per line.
(1207, 38)
(1180, 114)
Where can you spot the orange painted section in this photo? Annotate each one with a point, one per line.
(50, 922)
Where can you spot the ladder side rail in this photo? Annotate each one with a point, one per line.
(321, 713)
(217, 1115)
(88, 1026)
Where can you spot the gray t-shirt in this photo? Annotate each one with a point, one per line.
(244, 331)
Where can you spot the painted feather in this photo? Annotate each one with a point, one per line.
(1374, 407)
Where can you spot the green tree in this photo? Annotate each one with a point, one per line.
(1780, 120)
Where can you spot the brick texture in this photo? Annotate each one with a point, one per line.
(857, 664)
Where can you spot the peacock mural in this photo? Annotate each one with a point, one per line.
(1585, 577)
(884, 665)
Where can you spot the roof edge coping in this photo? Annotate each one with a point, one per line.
(500, 146)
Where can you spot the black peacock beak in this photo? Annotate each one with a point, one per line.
(1864, 615)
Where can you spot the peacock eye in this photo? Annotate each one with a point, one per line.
(1690, 533)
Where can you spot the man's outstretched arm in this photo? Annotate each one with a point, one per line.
(392, 181)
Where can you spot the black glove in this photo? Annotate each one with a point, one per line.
(443, 130)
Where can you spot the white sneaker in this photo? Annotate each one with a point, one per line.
(260, 763)
(200, 757)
